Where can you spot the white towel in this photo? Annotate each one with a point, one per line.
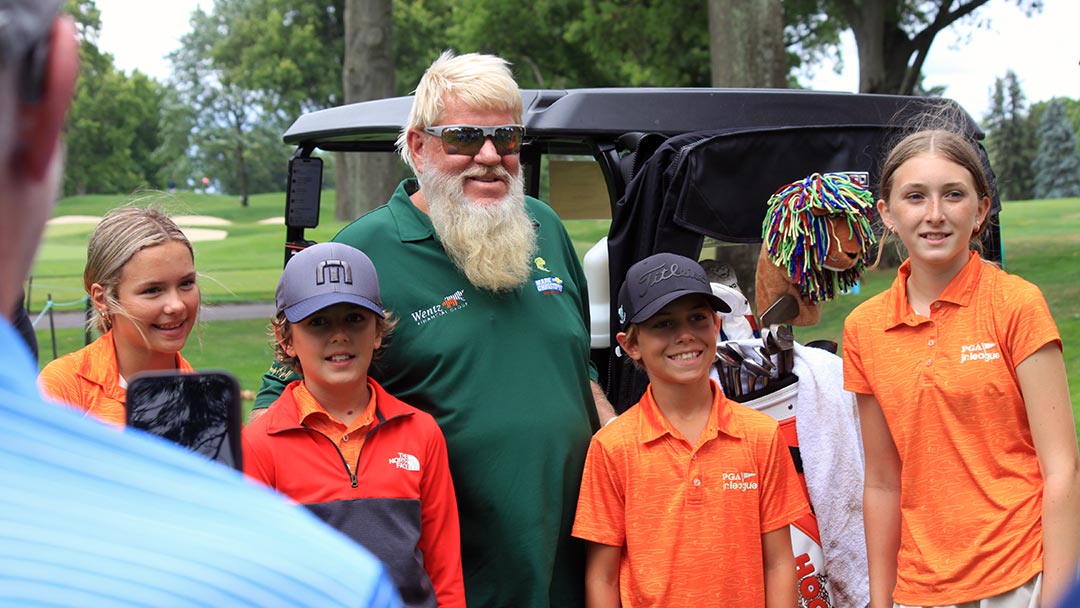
(830, 442)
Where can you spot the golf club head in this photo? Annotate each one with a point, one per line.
(756, 372)
(768, 340)
(766, 358)
(784, 337)
(732, 353)
(784, 309)
(754, 368)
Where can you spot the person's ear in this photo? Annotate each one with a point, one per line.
(629, 346)
(415, 140)
(40, 122)
(984, 210)
(97, 296)
(283, 340)
(883, 211)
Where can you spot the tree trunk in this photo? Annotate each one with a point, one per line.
(366, 180)
(746, 44)
(241, 160)
(891, 59)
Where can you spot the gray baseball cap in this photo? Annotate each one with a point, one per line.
(326, 274)
(658, 280)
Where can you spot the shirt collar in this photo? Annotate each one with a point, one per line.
(311, 413)
(412, 223)
(653, 424)
(959, 291)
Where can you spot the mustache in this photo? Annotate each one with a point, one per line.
(498, 172)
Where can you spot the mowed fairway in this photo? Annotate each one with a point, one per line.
(1042, 244)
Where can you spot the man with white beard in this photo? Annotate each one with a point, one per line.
(493, 333)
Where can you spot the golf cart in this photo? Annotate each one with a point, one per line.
(678, 170)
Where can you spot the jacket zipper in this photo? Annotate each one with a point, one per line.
(352, 474)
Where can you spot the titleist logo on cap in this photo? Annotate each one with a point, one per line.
(664, 272)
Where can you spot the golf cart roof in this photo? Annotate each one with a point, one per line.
(583, 115)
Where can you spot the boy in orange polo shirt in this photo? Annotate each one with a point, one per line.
(687, 496)
(366, 463)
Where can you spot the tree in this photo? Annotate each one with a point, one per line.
(1072, 111)
(365, 181)
(746, 43)
(746, 40)
(1057, 163)
(113, 121)
(894, 36)
(633, 43)
(1011, 141)
(232, 130)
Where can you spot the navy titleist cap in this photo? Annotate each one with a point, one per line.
(326, 274)
(658, 280)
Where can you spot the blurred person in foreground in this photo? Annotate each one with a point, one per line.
(92, 516)
(494, 334)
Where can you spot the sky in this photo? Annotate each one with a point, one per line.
(1044, 50)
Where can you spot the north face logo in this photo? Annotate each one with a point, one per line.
(406, 461)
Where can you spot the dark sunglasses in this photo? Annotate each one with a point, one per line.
(467, 140)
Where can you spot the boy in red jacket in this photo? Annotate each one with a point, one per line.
(368, 464)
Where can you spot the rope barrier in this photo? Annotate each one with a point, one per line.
(49, 305)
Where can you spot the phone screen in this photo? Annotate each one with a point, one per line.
(199, 411)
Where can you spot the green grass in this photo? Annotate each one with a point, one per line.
(1042, 244)
(242, 268)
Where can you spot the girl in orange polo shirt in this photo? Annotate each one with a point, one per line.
(140, 275)
(972, 473)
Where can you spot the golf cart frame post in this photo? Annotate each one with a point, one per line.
(679, 165)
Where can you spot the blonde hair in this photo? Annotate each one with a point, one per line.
(281, 332)
(480, 81)
(116, 239)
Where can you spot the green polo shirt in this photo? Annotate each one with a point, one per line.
(507, 378)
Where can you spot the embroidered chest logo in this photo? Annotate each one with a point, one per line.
(740, 482)
(406, 461)
(549, 285)
(451, 303)
(541, 264)
(983, 351)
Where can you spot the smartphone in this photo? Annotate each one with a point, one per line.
(199, 411)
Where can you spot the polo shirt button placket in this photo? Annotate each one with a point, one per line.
(696, 494)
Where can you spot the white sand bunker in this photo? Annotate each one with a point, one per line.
(204, 234)
(187, 224)
(74, 219)
(277, 221)
(200, 220)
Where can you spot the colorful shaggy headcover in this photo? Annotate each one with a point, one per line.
(816, 237)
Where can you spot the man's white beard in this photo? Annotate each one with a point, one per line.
(493, 245)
